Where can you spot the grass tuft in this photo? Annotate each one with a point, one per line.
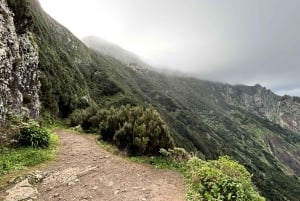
(21, 158)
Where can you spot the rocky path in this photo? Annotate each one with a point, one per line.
(84, 171)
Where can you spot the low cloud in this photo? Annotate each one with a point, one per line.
(232, 41)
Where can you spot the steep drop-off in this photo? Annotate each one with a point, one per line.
(262, 102)
(248, 123)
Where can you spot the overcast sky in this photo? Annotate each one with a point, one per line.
(234, 41)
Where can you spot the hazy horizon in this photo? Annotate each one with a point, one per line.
(237, 42)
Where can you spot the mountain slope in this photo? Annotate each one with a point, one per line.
(67, 66)
(219, 119)
(109, 49)
(251, 124)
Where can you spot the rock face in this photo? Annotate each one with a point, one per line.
(290, 112)
(283, 110)
(19, 84)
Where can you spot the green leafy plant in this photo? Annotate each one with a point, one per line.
(31, 135)
(217, 180)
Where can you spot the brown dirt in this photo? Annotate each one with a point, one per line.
(84, 171)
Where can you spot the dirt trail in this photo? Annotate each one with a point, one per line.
(84, 171)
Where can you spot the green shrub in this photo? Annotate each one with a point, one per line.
(176, 154)
(137, 130)
(222, 179)
(31, 135)
(76, 118)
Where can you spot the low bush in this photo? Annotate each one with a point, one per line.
(176, 154)
(222, 179)
(32, 135)
(137, 130)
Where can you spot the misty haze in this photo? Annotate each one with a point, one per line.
(238, 42)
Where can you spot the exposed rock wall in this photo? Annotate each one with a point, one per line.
(19, 84)
(263, 102)
(290, 112)
(256, 99)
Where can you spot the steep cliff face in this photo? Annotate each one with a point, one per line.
(290, 112)
(263, 102)
(19, 85)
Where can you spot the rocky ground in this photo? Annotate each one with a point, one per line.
(84, 171)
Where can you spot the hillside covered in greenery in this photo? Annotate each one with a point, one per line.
(211, 119)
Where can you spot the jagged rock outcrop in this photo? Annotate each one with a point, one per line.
(290, 112)
(283, 110)
(19, 84)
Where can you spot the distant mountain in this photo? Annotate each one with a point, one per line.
(109, 49)
(250, 123)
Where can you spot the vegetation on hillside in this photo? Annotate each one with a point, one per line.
(74, 78)
(68, 73)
